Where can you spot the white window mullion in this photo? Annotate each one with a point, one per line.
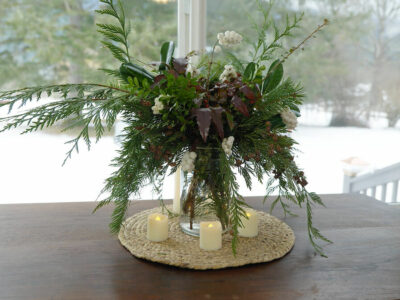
(191, 36)
(198, 16)
(191, 25)
(183, 27)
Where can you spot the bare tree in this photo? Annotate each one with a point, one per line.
(383, 43)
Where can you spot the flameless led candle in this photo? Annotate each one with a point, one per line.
(250, 224)
(210, 235)
(157, 227)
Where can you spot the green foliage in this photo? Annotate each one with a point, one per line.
(274, 76)
(132, 71)
(115, 33)
(250, 71)
(166, 54)
(93, 103)
(264, 50)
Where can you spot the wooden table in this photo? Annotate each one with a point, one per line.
(61, 251)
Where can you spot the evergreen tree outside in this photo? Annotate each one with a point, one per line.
(46, 42)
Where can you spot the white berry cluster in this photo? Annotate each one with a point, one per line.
(227, 145)
(188, 161)
(158, 106)
(192, 70)
(229, 38)
(289, 118)
(228, 73)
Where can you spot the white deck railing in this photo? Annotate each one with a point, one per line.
(383, 184)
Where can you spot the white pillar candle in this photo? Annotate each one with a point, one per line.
(157, 227)
(176, 204)
(250, 224)
(210, 235)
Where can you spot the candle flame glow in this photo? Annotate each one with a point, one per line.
(158, 218)
(248, 214)
(210, 225)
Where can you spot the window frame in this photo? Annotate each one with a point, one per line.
(192, 20)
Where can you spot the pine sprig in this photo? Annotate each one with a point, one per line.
(115, 34)
(93, 104)
(21, 97)
(106, 110)
(135, 168)
(313, 232)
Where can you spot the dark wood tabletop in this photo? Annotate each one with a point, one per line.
(62, 251)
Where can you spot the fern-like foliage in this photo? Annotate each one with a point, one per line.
(263, 49)
(83, 104)
(115, 35)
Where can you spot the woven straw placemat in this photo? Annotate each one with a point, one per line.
(275, 239)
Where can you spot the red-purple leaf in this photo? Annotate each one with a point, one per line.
(247, 92)
(157, 80)
(180, 65)
(173, 72)
(239, 105)
(216, 113)
(203, 116)
(200, 89)
(231, 91)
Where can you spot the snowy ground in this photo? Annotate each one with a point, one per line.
(30, 165)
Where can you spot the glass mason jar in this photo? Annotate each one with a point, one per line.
(204, 196)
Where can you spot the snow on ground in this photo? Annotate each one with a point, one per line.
(31, 171)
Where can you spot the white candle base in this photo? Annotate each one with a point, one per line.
(210, 235)
(250, 224)
(157, 227)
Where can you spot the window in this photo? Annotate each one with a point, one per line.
(351, 77)
(46, 42)
(350, 74)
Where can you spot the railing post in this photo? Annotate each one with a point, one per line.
(347, 183)
(383, 193)
(373, 192)
(394, 191)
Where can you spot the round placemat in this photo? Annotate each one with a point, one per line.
(274, 240)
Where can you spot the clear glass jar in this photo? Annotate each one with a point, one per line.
(201, 198)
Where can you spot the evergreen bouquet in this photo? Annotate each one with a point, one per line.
(212, 113)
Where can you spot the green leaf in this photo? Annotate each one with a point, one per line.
(274, 76)
(250, 71)
(166, 53)
(131, 70)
